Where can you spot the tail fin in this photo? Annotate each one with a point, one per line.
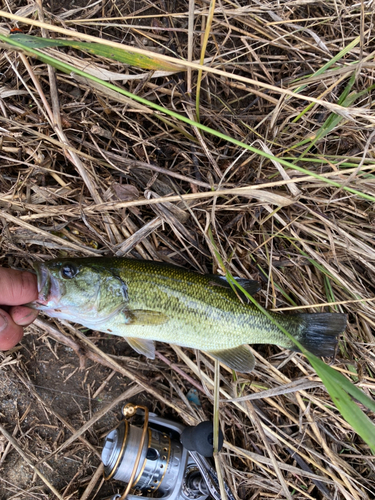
(319, 331)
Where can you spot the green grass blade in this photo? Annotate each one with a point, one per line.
(324, 68)
(332, 61)
(348, 409)
(339, 380)
(346, 99)
(120, 55)
(203, 51)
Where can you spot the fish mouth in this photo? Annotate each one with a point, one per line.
(48, 287)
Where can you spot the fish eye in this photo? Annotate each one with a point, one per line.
(68, 271)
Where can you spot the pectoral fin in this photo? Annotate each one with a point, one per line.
(143, 317)
(239, 358)
(142, 346)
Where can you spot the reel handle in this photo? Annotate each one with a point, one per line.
(200, 438)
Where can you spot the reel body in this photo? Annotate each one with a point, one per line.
(164, 459)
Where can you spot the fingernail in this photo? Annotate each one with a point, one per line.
(26, 319)
(3, 322)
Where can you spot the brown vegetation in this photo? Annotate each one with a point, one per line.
(85, 171)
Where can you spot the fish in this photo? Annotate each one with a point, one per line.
(146, 301)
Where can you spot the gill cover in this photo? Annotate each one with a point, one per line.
(79, 290)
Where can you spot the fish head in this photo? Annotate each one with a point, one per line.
(80, 290)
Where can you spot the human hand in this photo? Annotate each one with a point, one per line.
(16, 288)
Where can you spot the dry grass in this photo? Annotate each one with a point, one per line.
(86, 172)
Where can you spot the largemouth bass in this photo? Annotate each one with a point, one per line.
(146, 301)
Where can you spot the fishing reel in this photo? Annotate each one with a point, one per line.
(161, 459)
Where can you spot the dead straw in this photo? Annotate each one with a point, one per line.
(85, 171)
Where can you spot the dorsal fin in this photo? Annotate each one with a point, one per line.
(251, 286)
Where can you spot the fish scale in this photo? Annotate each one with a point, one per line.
(198, 314)
(145, 301)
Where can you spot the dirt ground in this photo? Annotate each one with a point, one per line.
(46, 382)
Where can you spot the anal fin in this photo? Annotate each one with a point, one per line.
(142, 346)
(238, 358)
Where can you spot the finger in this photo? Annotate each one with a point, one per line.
(17, 287)
(10, 333)
(22, 315)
